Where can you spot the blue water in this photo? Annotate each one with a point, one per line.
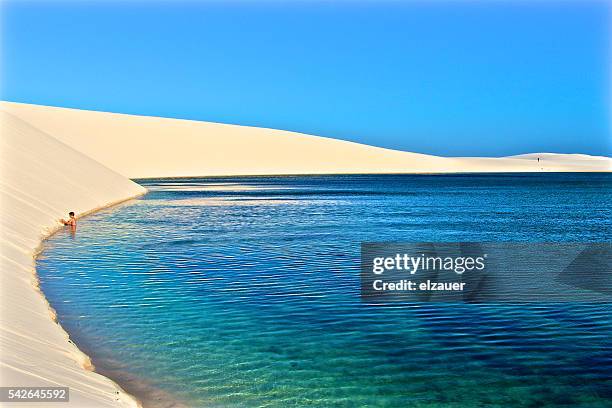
(245, 292)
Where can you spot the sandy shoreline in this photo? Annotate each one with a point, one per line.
(56, 160)
(86, 359)
(42, 179)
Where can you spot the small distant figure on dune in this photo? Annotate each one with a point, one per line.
(70, 221)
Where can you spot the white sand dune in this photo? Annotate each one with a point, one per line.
(41, 180)
(144, 146)
(56, 159)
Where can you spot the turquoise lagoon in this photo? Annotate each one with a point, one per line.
(244, 292)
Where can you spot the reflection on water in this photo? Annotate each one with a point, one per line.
(245, 292)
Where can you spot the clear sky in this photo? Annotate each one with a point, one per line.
(449, 78)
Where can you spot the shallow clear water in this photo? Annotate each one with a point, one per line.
(245, 292)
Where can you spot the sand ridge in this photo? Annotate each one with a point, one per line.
(147, 147)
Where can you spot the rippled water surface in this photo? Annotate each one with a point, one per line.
(245, 292)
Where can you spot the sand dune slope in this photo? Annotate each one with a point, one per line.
(41, 180)
(142, 146)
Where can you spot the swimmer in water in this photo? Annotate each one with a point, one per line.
(70, 221)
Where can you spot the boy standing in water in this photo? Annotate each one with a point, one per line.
(71, 221)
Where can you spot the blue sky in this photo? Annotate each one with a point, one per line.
(449, 78)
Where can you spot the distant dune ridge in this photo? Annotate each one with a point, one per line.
(144, 146)
(56, 160)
